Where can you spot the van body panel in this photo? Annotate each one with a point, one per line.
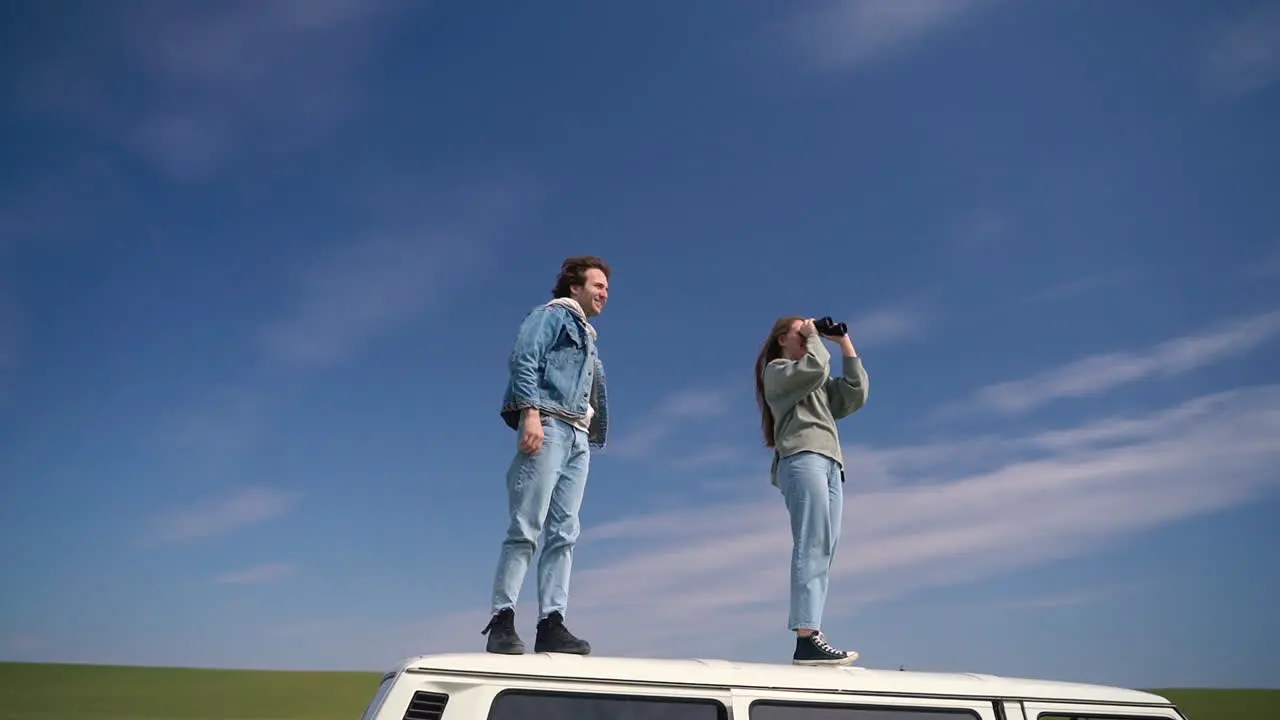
(726, 674)
(483, 686)
(755, 704)
(1048, 710)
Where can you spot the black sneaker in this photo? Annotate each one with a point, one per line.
(554, 637)
(814, 650)
(501, 630)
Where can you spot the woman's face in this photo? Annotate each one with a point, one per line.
(793, 342)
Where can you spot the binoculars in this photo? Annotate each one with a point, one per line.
(830, 328)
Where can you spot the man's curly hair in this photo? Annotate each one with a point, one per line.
(573, 271)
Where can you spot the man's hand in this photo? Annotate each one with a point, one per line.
(530, 431)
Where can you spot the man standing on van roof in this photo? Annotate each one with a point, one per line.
(555, 399)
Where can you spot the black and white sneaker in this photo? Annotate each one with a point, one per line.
(815, 650)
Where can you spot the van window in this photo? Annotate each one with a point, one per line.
(773, 710)
(534, 705)
(1098, 716)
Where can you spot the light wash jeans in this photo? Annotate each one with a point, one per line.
(813, 487)
(543, 490)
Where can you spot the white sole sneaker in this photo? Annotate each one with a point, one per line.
(849, 659)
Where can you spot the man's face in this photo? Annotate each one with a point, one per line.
(593, 294)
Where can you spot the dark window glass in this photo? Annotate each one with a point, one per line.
(526, 705)
(1099, 716)
(797, 711)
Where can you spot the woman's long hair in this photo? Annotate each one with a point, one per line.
(772, 350)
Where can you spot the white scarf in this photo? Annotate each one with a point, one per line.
(576, 309)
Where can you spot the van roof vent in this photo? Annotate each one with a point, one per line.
(426, 706)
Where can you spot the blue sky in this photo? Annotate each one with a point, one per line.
(261, 265)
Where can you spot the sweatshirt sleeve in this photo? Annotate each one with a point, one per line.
(787, 382)
(848, 393)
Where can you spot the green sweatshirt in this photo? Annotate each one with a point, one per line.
(806, 402)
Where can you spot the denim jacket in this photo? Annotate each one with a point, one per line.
(555, 367)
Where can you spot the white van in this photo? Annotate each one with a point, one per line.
(482, 686)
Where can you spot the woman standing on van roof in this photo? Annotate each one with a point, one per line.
(799, 406)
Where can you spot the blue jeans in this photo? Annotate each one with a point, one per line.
(813, 488)
(543, 491)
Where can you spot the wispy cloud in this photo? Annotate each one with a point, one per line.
(902, 466)
(420, 241)
(47, 210)
(684, 409)
(1267, 267)
(345, 296)
(712, 455)
(1088, 283)
(669, 416)
(351, 294)
(1016, 502)
(221, 515)
(1098, 373)
(853, 34)
(981, 230)
(1076, 598)
(209, 82)
(1243, 52)
(12, 333)
(257, 574)
(887, 326)
(214, 433)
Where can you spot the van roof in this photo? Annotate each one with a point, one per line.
(725, 673)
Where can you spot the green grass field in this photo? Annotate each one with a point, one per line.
(1225, 704)
(87, 692)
